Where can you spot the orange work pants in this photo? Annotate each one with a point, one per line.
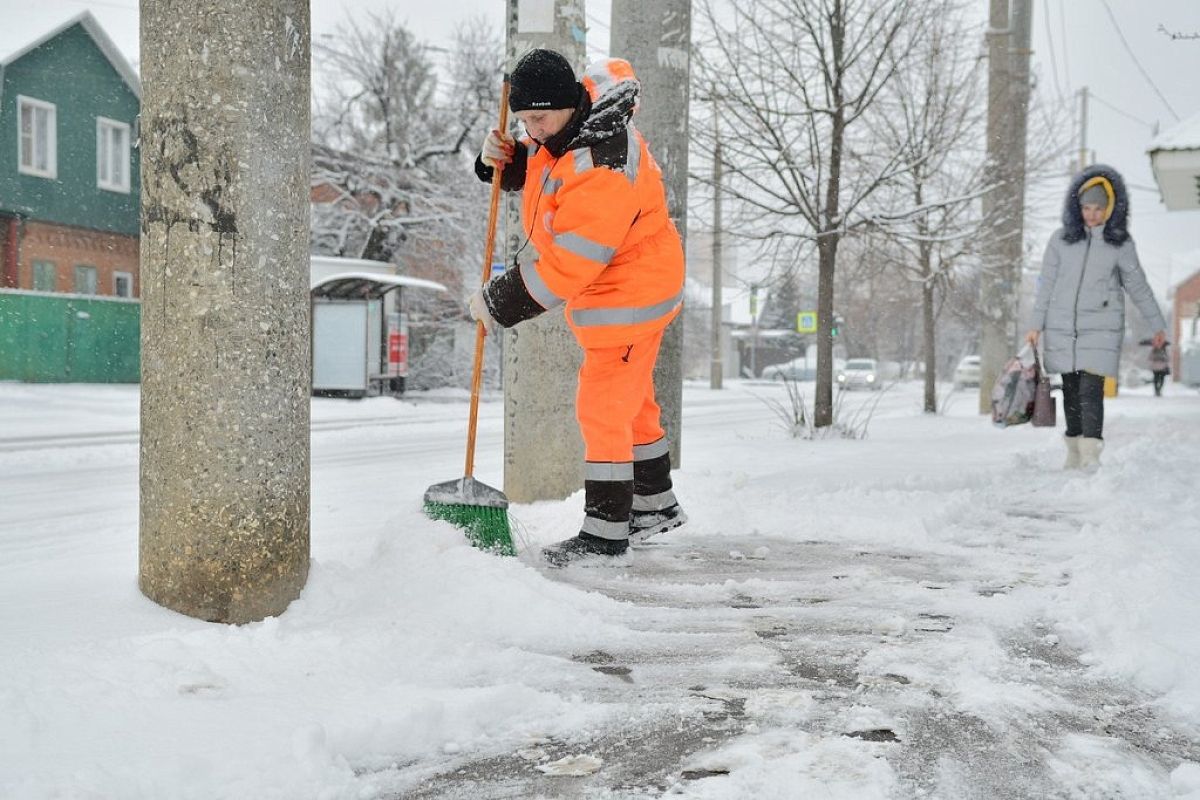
(615, 402)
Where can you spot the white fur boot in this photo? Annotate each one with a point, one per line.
(1089, 452)
(1072, 452)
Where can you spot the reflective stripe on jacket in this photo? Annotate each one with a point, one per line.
(596, 216)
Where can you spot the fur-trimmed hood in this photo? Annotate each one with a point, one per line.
(1116, 228)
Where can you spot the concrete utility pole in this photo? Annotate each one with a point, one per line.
(1020, 53)
(1083, 121)
(1003, 207)
(656, 39)
(717, 375)
(225, 148)
(543, 451)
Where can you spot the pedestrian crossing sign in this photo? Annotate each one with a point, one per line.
(806, 322)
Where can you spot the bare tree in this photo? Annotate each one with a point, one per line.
(388, 139)
(932, 116)
(395, 130)
(795, 80)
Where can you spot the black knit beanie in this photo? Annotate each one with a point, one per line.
(542, 79)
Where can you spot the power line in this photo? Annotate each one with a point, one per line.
(1093, 96)
(1062, 31)
(1133, 58)
(1053, 60)
(592, 18)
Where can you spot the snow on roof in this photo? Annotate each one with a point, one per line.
(373, 283)
(89, 23)
(1181, 136)
(351, 264)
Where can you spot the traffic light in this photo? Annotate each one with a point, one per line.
(837, 324)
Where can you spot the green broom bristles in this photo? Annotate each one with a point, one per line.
(486, 527)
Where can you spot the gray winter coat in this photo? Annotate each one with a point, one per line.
(1080, 305)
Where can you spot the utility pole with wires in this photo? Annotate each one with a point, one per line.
(1009, 33)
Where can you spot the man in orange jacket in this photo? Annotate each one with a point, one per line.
(595, 211)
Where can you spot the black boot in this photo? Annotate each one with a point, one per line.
(583, 546)
(655, 508)
(644, 524)
(607, 497)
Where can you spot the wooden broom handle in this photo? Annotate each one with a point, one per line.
(489, 249)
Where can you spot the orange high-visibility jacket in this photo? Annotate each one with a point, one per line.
(595, 211)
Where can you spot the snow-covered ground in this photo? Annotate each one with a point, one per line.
(934, 611)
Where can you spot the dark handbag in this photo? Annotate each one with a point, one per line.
(1045, 406)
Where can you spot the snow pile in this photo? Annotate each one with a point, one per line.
(1134, 595)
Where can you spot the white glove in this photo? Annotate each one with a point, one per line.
(497, 149)
(480, 313)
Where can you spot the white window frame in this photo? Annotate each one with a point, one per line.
(51, 139)
(117, 276)
(102, 155)
(95, 273)
(33, 274)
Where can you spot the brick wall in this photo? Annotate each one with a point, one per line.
(68, 247)
(4, 280)
(1186, 306)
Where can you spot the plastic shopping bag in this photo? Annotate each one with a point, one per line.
(1014, 392)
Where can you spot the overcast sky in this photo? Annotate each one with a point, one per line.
(1075, 44)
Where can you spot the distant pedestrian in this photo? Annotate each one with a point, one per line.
(1160, 363)
(1089, 266)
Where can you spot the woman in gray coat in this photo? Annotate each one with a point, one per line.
(1089, 266)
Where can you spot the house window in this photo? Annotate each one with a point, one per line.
(85, 280)
(37, 143)
(112, 155)
(45, 276)
(123, 284)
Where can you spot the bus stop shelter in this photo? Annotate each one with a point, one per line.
(359, 334)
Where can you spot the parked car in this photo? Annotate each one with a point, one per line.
(860, 373)
(798, 369)
(967, 372)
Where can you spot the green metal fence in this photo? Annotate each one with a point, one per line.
(68, 338)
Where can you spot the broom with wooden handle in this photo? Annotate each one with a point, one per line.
(476, 507)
